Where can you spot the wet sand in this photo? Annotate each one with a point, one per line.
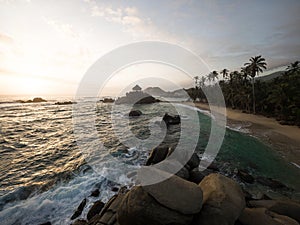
(285, 139)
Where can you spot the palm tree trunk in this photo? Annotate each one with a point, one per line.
(253, 95)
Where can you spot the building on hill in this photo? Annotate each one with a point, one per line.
(136, 88)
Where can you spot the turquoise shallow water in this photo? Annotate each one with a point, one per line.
(43, 173)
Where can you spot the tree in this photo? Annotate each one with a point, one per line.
(255, 66)
(224, 72)
(196, 78)
(293, 67)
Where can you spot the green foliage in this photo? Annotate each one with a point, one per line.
(278, 98)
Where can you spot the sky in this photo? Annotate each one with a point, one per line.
(47, 46)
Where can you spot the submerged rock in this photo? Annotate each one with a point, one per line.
(223, 201)
(171, 120)
(135, 113)
(245, 176)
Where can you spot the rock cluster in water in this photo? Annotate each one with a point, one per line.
(190, 197)
(35, 100)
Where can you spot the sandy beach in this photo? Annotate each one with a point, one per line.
(285, 139)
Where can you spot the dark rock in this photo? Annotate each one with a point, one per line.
(173, 192)
(108, 100)
(270, 182)
(171, 120)
(108, 214)
(171, 166)
(194, 161)
(95, 193)
(140, 208)
(38, 100)
(157, 155)
(223, 200)
(245, 176)
(80, 222)
(115, 189)
(135, 113)
(287, 208)
(79, 209)
(138, 97)
(47, 223)
(196, 176)
(95, 209)
(65, 103)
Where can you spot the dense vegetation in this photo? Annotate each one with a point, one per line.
(279, 97)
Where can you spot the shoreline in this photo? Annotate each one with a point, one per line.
(283, 138)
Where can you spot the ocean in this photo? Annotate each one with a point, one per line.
(44, 175)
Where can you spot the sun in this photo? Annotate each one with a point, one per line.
(31, 86)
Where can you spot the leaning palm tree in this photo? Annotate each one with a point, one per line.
(224, 72)
(255, 66)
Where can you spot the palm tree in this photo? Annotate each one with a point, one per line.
(224, 72)
(196, 78)
(255, 66)
(293, 67)
(202, 81)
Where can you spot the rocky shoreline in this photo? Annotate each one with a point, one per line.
(191, 197)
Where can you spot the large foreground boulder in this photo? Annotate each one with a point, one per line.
(175, 193)
(223, 201)
(140, 208)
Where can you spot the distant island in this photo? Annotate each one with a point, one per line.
(136, 96)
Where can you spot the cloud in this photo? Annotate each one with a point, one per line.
(63, 28)
(4, 38)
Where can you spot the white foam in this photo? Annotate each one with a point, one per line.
(57, 205)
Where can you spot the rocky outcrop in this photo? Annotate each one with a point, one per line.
(262, 216)
(64, 103)
(35, 100)
(287, 208)
(157, 155)
(223, 201)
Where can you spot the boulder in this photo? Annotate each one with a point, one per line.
(287, 208)
(223, 201)
(157, 155)
(135, 113)
(171, 166)
(174, 192)
(257, 217)
(140, 208)
(194, 161)
(79, 209)
(171, 120)
(196, 176)
(95, 209)
(262, 216)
